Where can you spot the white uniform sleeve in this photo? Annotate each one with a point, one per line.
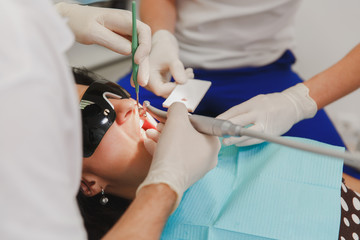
(40, 138)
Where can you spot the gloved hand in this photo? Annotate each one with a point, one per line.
(164, 61)
(152, 138)
(111, 28)
(182, 155)
(273, 113)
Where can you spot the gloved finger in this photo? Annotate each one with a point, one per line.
(143, 73)
(111, 40)
(250, 142)
(234, 140)
(120, 23)
(160, 127)
(150, 146)
(244, 119)
(236, 110)
(258, 127)
(153, 134)
(162, 90)
(177, 115)
(178, 72)
(176, 123)
(240, 141)
(165, 89)
(189, 73)
(151, 141)
(144, 37)
(158, 86)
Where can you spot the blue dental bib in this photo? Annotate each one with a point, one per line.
(265, 191)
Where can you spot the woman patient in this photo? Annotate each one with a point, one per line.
(116, 161)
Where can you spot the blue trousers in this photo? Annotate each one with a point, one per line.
(231, 87)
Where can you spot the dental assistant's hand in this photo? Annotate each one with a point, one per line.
(164, 63)
(152, 138)
(273, 113)
(111, 28)
(182, 155)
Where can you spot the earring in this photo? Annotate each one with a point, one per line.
(103, 200)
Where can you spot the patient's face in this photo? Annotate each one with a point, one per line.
(120, 162)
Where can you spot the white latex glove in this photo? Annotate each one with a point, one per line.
(152, 138)
(273, 113)
(182, 155)
(111, 28)
(164, 63)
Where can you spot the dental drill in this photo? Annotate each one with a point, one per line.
(225, 128)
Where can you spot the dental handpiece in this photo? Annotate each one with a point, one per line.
(224, 128)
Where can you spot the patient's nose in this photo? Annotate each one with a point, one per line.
(123, 107)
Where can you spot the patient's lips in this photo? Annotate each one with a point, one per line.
(146, 120)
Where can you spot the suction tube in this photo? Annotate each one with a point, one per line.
(224, 128)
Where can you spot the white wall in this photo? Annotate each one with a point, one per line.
(326, 30)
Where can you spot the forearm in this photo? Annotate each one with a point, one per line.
(159, 14)
(336, 81)
(147, 214)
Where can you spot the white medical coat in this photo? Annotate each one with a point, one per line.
(40, 134)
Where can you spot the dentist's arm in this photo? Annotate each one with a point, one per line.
(111, 28)
(276, 113)
(182, 156)
(161, 15)
(147, 214)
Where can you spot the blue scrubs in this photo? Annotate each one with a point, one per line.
(231, 87)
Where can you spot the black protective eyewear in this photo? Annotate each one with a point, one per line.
(98, 113)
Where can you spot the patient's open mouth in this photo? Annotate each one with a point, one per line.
(146, 120)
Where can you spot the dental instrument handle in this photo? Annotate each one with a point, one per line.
(350, 159)
(158, 114)
(203, 124)
(223, 128)
(214, 126)
(134, 46)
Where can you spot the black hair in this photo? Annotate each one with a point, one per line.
(85, 77)
(98, 219)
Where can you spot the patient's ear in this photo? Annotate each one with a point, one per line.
(89, 187)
